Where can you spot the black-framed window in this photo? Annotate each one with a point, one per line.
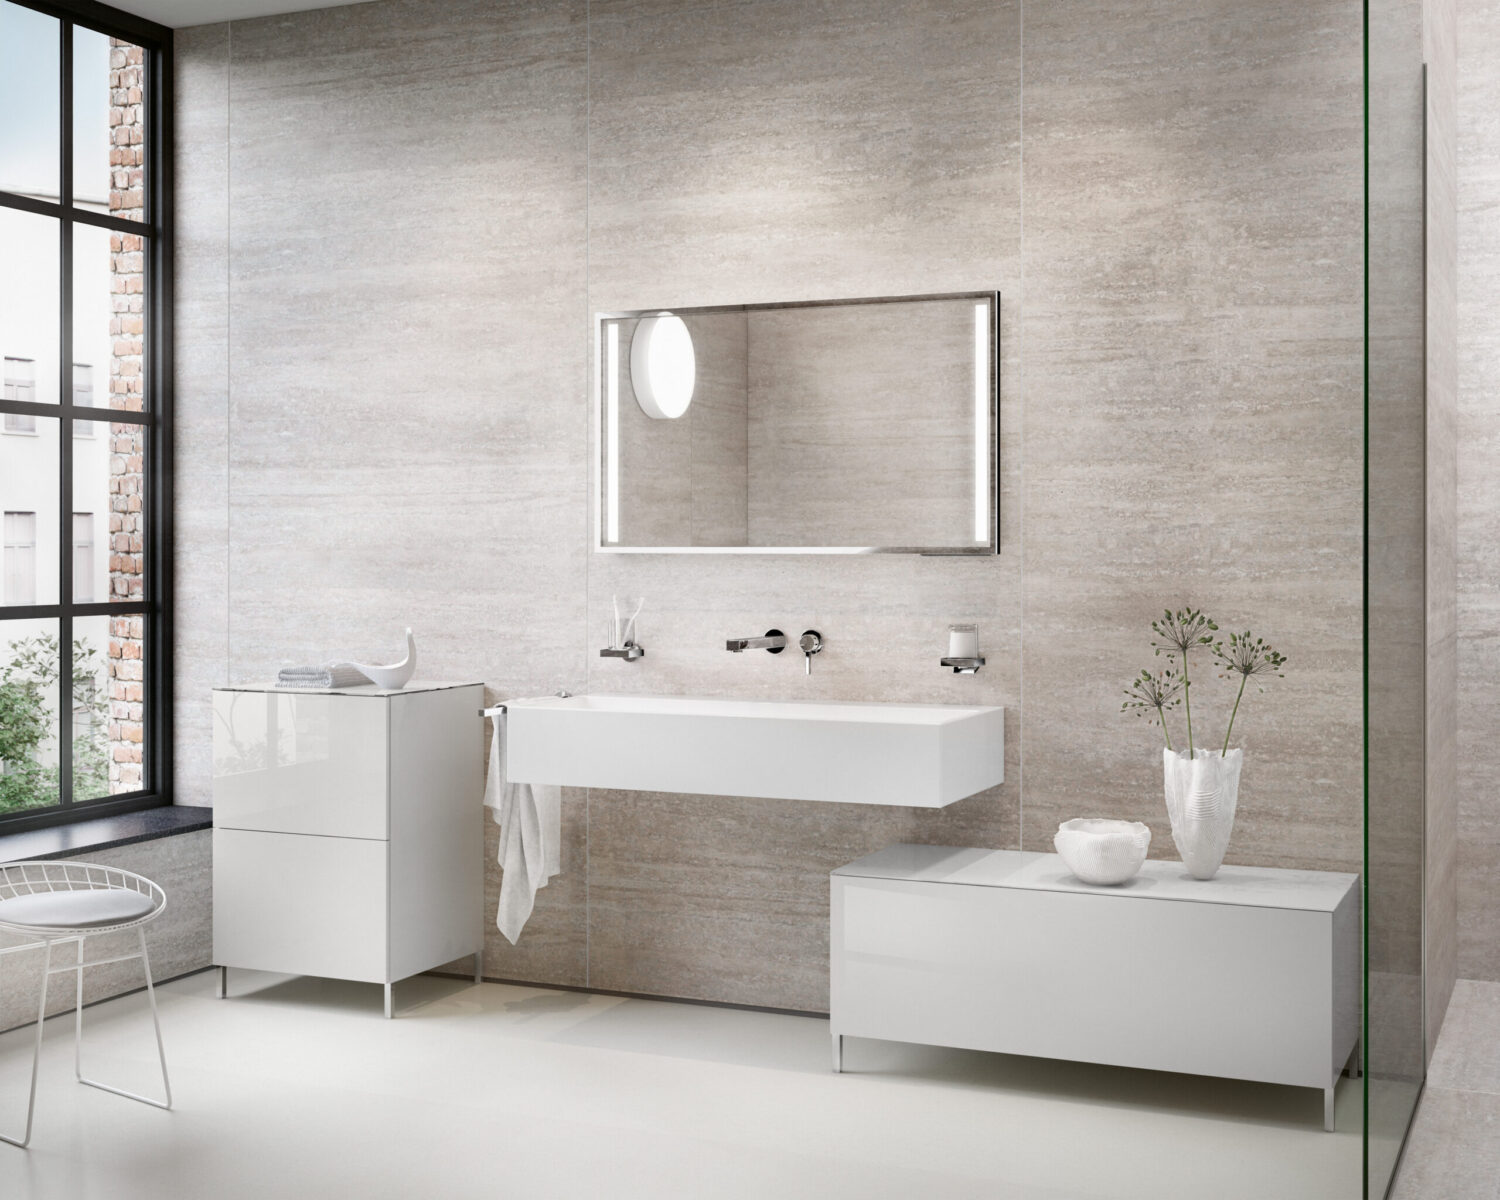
(85, 309)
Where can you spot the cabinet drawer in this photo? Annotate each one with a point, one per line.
(300, 905)
(296, 763)
(1241, 992)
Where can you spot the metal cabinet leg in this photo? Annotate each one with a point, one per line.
(390, 1004)
(1328, 1108)
(223, 982)
(838, 1053)
(479, 966)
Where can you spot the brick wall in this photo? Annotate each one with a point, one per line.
(126, 391)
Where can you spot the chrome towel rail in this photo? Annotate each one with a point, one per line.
(496, 710)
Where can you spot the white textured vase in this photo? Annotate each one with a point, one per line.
(1202, 792)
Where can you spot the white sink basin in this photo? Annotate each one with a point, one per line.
(913, 755)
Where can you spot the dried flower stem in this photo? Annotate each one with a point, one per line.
(1179, 633)
(1245, 655)
(1148, 692)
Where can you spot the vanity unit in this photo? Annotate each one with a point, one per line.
(348, 830)
(1253, 974)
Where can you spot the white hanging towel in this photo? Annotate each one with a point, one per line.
(530, 820)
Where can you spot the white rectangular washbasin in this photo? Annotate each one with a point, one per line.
(912, 755)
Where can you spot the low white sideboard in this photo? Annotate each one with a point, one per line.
(348, 830)
(1251, 975)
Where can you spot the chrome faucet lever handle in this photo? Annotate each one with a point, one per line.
(812, 643)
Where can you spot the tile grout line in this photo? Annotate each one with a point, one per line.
(228, 356)
(1021, 458)
(589, 466)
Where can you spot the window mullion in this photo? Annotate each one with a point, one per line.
(65, 436)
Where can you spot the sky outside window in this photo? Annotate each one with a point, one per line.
(31, 129)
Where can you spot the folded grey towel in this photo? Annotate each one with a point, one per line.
(334, 675)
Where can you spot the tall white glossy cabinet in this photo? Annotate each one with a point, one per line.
(348, 830)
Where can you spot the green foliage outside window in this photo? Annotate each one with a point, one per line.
(27, 679)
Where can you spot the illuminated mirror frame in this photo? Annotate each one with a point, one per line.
(986, 397)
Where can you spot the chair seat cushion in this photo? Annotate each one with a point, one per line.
(75, 910)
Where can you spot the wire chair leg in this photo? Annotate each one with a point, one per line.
(155, 1021)
(36, 1053)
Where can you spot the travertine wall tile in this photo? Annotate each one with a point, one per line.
(1193, 436)
(1396, 552)
(407, 389)
(201, 401)
(1440, 913)
(1479, 492)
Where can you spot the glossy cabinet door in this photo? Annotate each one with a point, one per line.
(300, 905)
(1253, 976)
(290, 762)
(1237, 992)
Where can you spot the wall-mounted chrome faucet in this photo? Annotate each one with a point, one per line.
(774, 642)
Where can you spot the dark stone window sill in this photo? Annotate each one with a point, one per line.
(68, 841)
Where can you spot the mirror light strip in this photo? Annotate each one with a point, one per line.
(612, 435)
(981, 422)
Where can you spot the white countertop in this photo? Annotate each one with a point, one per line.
(1255, 887)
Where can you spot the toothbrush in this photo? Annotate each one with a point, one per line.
(630, 625)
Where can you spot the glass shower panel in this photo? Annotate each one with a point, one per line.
(1395, 574)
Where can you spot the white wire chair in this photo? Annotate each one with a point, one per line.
(52, 902)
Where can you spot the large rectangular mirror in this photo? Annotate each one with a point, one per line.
(840, 427)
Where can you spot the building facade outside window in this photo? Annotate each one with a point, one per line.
(20, 378)
(85, 337)
(83, 558)
(83, 388)
(20, 558)
(20, 384)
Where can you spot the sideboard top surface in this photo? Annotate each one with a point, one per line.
(1255, 887)
(364, 689)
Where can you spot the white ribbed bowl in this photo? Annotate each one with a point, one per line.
(1102, 852)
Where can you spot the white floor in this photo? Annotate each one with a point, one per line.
(299, 1088)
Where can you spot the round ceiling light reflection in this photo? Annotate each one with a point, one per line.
(663, 367)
